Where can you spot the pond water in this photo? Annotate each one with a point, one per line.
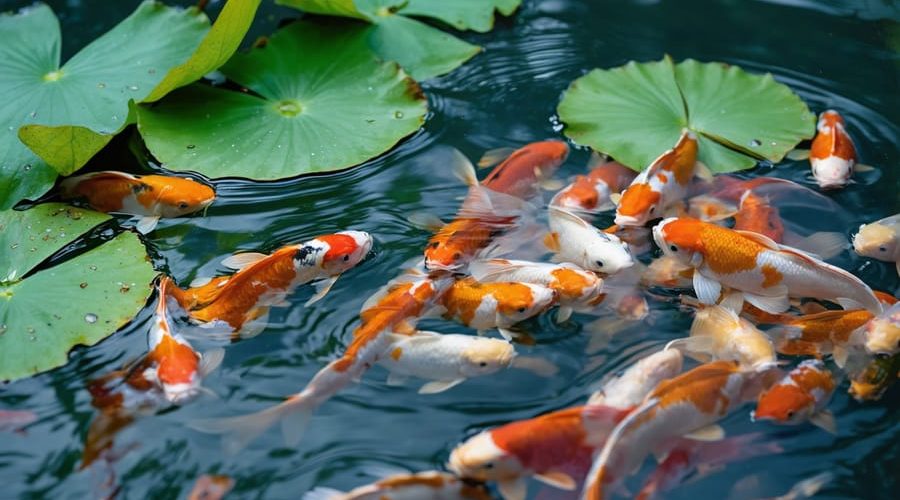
(841, 55)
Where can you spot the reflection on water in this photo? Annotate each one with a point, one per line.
(504, 97)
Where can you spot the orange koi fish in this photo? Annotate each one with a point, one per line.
(390, 311)
(668, 272)
(211, 487)
(688, 404)
(833, 155)
(818, 334)
(576, 289)
(522, 172)
(718, 333)
(432, 485)
(757, 215)
(764, 272)
(880, 240)
(661, 185)
(874, 380)
(572, 239)
(592, 192)
(801, 395)
(882, 333)
(541, 447)
(241, 302)
(484, 306)
(629, 389)
(147, 196)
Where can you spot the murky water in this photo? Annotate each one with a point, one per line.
(835, 54)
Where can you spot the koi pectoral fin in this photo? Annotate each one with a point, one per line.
(440, 386)
(563, 314)
(146, 224)
(698, 348)
(824, 420)
(538, 366)
(322, 289)
(557, 479)
(773, 304)
(210, 360)
(515, 489)
(712, 432)
(798, 155)
(707, 289)
(241, 260)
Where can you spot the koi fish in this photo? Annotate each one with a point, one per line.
(393, 309)
(880, 240)
(718, 333)
(241, 302)
(756, 214)
(882, 333)
(801, 395)
(575, 288)
(873, 380)
(147, 196)
(687, 405)
(629, 389)
(818, 334)
(762, 271)
(431, 485)
(661, 185)
(526, 168)
(668, 272)
(211, 487)
(541, 447)
(484, 306)
(833, 155)
(449, 359)
(573, 240)
(592, 192)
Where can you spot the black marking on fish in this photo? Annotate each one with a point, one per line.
(140, 187)
(306, 255)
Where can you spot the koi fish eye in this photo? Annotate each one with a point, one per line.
(652, 209)
(435, 244)
(790, 414)
(346, 258)
(599, 263)
(521, 309)
(882, 249)
(457, 256)
(673, 248)
(183, 204)
(489, 465)
(482, 364)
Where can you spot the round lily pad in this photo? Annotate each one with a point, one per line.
(637, 111)
(79, 301)
(321, 100)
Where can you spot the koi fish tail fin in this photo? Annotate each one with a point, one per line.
(824, 244)
(322, 493)
(698, 348)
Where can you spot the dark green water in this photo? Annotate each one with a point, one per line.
(835, 54)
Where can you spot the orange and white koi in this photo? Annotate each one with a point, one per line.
(431, 485)
(688, 404)
(542, 448)
(718, 333)
(525, 169)
(818, 334)
(574, 240)
(882, 333)
(629, 389)
(576, 289)
(450, 359)
(147, 196)
(668, 272)
(870, 383)
(401, 302)
(662, 185)
(484, 306)
(801, 395)
(241, 302)
(592, 192)
(880, 240)
(756, 214)
(764, 272)
(833, 155)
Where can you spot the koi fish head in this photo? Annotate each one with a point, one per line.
(757, 215)
(681, 238)
(479, 458)
(520, 301)
(575, 285)
(580, 195)
(832, 172)
(876, 240)
(883, 332)
(451, 247)
(785, 403)
(175, 196)
(175, 365)
(827, 120)
(336, 252)
(485, 356)
(638, 205)
(606, 253)
(553, 154)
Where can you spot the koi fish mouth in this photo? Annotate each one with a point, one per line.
(628, 220)
(440, 266)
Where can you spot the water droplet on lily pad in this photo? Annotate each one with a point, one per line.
(101, 85)
(83, 284)
(755, 143)
(2, 329)
(132, 87)
(92, 267)
(90, 317)
(27, 167)
(398, 114)
(191, 146)
(289, 107)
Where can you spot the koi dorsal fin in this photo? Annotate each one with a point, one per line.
(242, 260)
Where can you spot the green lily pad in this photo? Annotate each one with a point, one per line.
(637, 111)
(54, 309)
(423, 51)
(325, 102)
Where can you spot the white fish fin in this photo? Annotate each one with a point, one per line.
(840, 356)
(797, 154)
(557, 479)
(200, 281)
(239, 261)
(861, 168)
(323, 493)
(712, 319)
(322, 289)
(237, 432)
(381, 471)
(571, 217)
(771, 304)
(293, 424)
(494, 156)
(492, 269)
(808, 487)
(713, 432)
(825, 420)
(507, 334)
(255, 326)
(823, 244)
(707, 290)
(514, 489)
(703, 172)
(615, 198)
(427, 221)
(897, 265)
(462, 168)
(849, 303)
(551, 184)
(404, 327)
(733, 301)
(396, 380)
(437, 386)
(698, 348)
(563, 314)
(536, 365)
(210, 360)
(761, 239)
(146, 224)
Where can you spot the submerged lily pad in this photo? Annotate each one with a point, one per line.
(325, 102)
(637, 111)
(79, 301)
(423, 51)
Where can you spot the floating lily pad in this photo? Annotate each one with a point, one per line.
(79, 301)
(325, 102)
(423, 51)
(635, 112)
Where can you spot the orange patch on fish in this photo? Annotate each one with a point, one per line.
(177, 362)
(466, 295)
(339, 245)
(568, 283)
(725, 251)
(700, 387)
(834, 141)
(662, 177)
(637, 199)
(435, 481)
(771, 276)
(396, 353)
(544, 438)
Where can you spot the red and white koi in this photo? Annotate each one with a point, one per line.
(574, 240)
(833, 155)
(147, 196)
(764, 272)
(882, 333)
(880, 240)
(662, 185)
(802, 395)
(485, 306)
(629, 389)
(718, 333)
(592, 192)
(431, 485)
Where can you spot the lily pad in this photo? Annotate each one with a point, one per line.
(635, 112)
(324, 101)
(423, 51)
(44, 315)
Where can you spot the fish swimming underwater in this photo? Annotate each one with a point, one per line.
(803, 394)
(870, 383)
(880, 240)
(764, 272)
(522, 172)
(593, 192)
(574, 240)
(718, 333)
(882, 333)
(428, 485)
(629, 389)
(818, 334)
(833, 154)
(147, 196)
